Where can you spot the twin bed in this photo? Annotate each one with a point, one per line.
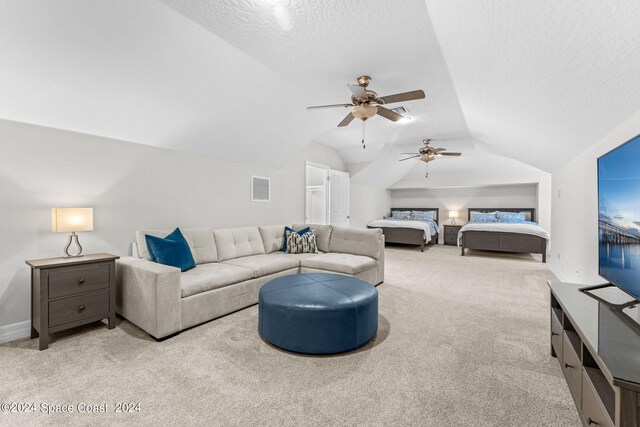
(489, 229)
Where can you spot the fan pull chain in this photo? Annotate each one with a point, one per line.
(363, 144)
(427, 174)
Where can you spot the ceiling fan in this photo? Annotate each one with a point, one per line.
(428, 154)
(366, 104)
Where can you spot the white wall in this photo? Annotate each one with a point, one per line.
(574, 256)
(368, 203)
(130, 187)
(461, 198)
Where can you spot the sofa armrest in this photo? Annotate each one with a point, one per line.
(148, 295)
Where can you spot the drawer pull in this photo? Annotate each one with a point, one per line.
(566, 365)
(80, 282)
(591, 422)
(81, 308)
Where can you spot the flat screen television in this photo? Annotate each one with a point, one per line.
(619, 217)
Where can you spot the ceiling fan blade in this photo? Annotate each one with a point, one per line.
(406, 96)
(358, 91)
(316, 107)
(410, 154)
(412, 157)
(437, 150)
(449, 153)
(388, 114)
(346, 120)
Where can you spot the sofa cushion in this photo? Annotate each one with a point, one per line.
(323, 234)
(200, 241)
(340, 263)
(299, 257)
(238, 242)
(358, 241)
(272, 237)
(207, 277)
(263, 265)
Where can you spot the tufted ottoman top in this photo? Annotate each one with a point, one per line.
(318, 313)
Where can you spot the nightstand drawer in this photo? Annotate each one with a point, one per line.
(451, 239)
(73, 280)
(70, 309)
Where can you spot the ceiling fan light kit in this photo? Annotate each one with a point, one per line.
(366, 104)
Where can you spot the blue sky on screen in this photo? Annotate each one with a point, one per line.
(619, 181)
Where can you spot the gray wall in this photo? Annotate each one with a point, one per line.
(130, 186)
(461, 198)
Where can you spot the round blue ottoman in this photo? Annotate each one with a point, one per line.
(318, 313)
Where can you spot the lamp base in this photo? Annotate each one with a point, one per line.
(453, 221)
(73, 239)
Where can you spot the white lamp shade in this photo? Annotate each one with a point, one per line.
(453, 214)
(66, 220)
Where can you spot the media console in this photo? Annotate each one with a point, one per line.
(599, 354)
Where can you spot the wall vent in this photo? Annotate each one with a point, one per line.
(400, 110)
(260, 189)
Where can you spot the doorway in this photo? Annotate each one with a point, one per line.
(327, 195)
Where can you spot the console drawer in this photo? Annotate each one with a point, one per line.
(556, 332)
(80, 307)
(83, 278)
(571, 365)
(593, 409)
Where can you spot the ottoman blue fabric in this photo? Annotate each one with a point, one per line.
(318, 313)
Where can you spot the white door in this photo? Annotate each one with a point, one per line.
(339, 201)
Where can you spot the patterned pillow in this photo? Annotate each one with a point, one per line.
(401, 214)
(511, 217)
(301, 243)
(422, 215)
(483, 217)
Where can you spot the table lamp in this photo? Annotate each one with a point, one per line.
(453, 215)
(71, 220)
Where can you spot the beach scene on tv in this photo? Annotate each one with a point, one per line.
(619, 216)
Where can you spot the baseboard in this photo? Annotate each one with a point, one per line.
(557, 274)
(15, 331)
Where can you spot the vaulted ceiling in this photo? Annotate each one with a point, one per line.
(514, 85)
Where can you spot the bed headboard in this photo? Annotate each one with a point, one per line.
(530, 213)
(436, 212)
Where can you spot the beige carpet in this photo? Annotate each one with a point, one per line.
(463, 341)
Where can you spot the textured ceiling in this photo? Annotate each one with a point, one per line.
(510, 84)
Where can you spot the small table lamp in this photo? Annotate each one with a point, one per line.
(453, 215)
(71, 220)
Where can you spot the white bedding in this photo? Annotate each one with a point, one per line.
(406, 223)
(523, 228)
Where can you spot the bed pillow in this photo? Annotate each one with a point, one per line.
(301, 243)
(401, 214)
(172, 250)
(422, 215)
(483, 217)
(289, 229)
(511, 217)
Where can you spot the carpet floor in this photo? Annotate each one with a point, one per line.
(462, 341)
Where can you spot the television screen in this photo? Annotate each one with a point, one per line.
(619, 216)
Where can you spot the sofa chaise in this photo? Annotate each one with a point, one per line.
(231, 266)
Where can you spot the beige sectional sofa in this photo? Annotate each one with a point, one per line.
(231, 266)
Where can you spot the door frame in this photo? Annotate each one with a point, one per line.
(327, 192)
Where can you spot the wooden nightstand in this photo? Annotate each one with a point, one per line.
(69, 292)
(451, 234)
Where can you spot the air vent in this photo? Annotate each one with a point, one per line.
(260, 189)
(400, 110)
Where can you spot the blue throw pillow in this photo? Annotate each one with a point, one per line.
(284, 241)
(483, 217)
(510, 217)
(422, 215)
(401, 214)
(172, 250)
